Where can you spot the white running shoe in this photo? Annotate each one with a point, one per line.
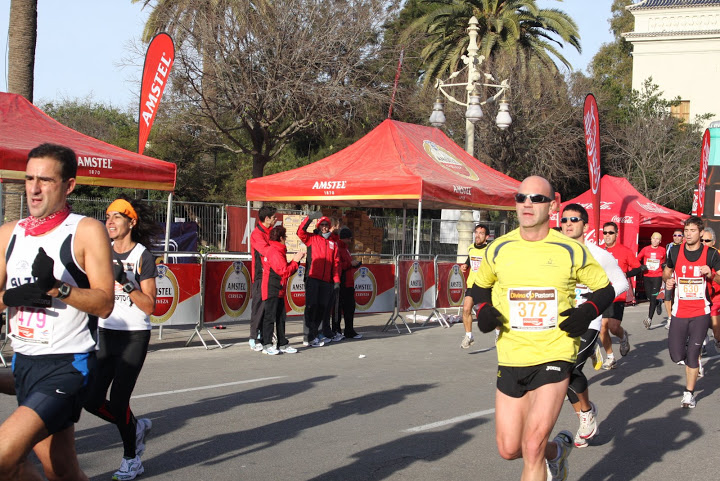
(588, 423)
(288, 349)
(647, 322)
(688, 400)
(610, 363)
(558, 469)
(258, 347)
(667, 324)
(271, 350)
(142, 429)
(625, 344)
(338, 337)
(314, 343)
(467, 342)
(129, 469)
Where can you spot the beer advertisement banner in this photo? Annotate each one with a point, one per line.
(451, 285)
(416, 285)
(156, 73)
(178, 295)
(227, 291)
(374, 290)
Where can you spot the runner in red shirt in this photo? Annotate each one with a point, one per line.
(613, 315)
(687, 270)
(653, 257)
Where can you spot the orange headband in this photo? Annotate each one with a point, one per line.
(122, 206)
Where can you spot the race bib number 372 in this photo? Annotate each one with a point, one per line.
(533, 308)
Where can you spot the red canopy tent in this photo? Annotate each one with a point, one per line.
(396, 165)
(23, 127)
(637, 216)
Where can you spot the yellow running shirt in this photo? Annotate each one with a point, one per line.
(475, 256)
(532, 282)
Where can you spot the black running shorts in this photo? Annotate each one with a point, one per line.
(615, 311)
(516, 381)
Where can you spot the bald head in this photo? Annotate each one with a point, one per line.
(537, 185)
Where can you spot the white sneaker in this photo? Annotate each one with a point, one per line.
(688, 400)
(338, 337)
(624, 345)
(314, 343)
(129, 469)
(257, 347)
(558, 470)
(667, 324)
(143, 427)
(357, 336)
(588, 423)
(467, 342)
(271, 350)
(288, 349)
(647, 322)
(609, 363)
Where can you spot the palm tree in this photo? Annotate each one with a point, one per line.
(517, 29)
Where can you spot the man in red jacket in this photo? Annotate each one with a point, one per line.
(258, 245)
(322, 274)
(276, 272)
(613, 315)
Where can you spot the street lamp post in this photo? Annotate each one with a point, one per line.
(473, 113)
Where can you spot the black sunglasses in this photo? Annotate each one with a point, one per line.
(571, 219)
(707, 240)
(609, 232)
(677, 235)
(534, 198)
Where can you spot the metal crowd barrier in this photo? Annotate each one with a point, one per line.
(400, 305)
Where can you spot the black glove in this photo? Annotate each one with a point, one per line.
(578, 320)
(42, 270)
(643, 268)
(488, 318)
(336, 286)
(27, 295)
(315, 214)
(119, 273)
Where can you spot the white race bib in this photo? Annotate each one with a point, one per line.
(533, 308)
(691, 288)
(475, 263)
(31, 325)
(652, 264)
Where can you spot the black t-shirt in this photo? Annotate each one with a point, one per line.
(713, 257)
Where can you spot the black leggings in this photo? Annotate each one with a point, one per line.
(578, 380)
(119, 361)
(652, 289)
(686, 337)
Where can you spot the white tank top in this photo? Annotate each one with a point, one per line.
(59, 329)
(126, 316)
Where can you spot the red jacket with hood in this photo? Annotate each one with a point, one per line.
(276, 270)
(323, 260)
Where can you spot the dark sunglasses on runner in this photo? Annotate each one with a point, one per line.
(571, 219)
(534, 198)
(677, 235)
(706, 240)
(609, 232)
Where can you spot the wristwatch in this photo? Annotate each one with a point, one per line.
(63, 291)
(128, 287)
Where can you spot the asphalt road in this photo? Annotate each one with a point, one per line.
(391, 406)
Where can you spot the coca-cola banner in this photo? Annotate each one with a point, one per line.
(177, 295)
(702, 179)
(156, 73)
(591, 122)
(416, 285)
(451, 285)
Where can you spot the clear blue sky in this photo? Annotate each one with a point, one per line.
(82, 44)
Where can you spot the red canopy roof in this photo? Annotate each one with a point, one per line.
(621, 203)
(23, 127)
(394, 166)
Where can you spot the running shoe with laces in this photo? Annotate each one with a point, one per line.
(129, 469)
(647, 322)
(658, 309)
(338, 337)
(258, 347)
(356, 336)
(610, 363)
(271, 350)
(625, 344)
(324, 339)
(314, 343)
(466, 342)
(688, 400)
(667, 324)
(142, 428)
(558, 469)
(288, 350)
(588, 423)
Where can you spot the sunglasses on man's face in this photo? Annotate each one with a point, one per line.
(677, 235)
(707, 241)
(609, 232)
(534, 198)
(571, 219)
